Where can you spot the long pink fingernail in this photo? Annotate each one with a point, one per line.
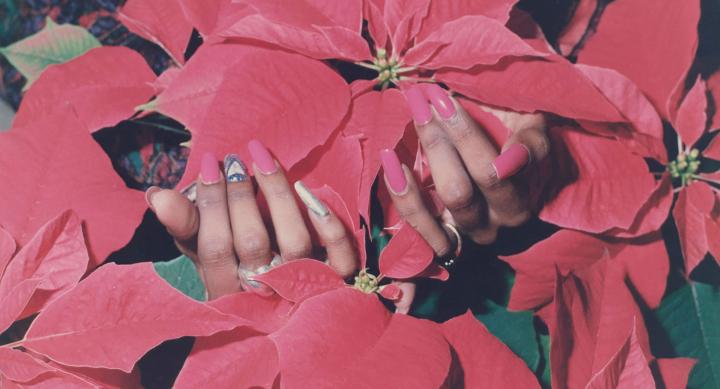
(261, 157)
(419, 106)
(209, 171)
(440, 100)
(511, 161)
(393, 171)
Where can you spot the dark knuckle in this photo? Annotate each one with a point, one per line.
(296, 250)
(252, 245)
(335, 237)
(458, 198)
(486, 237)
(488, 180)
(517, 219)
(240, 194)
(280, 193)
(460, 132)
(433, 139)
(408, 212)
(543, 146)
(217, 252)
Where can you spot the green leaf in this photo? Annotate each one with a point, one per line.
(515, 329)
(53, 44)
(182, 275)
(690, 318)
(544, 373)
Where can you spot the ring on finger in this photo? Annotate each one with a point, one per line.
(458, 247)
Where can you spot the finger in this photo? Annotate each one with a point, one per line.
(403, 305)
(215, 248)
(250, 237)
(409, 203)
(452, 182)
(291, 233)
(534, 140)
(178, 215)
(506, 203)
(528, 129)
(341, 253)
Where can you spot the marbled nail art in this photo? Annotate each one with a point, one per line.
(235, 170)
(313, 203)
(190, 192)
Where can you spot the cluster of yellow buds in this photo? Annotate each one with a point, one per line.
(366, 282)
(685, 166)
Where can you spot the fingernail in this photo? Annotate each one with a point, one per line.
(419, 107)
(209, 172)
(440, 100)
(261, 157)
(393, 171)
(149, 194)
(311, 201)
(511, 161)
(235, 170)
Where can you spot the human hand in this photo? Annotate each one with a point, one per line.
(223, 231)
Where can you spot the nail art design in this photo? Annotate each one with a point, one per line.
(235, 170)
(393, 171)
(262, 158)
(311, 201)
(511, 161)
(209, 172)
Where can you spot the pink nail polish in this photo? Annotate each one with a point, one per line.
(511, 161)
(149, 194)
(393, 171)
(209, 171)
(419, 106)
(261, 157)
(440, 100)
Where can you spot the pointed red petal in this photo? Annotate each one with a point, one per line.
(373, 13)
(19, 366)
(594, 314)
(228, 94)
(301, 279)
(576, 27)
(338, 164)
(658, 60)
(266, 313)
(486, 362)
(693, 205)
(63, 168)
(485, 41)
(675, 371)
(691, 117)
(53, 261)
(236, 359)
(713, 149)
(74, 329)
(114, 78)
(353, 333)
(443, 12)
(646, 265)
(381, 118)
(406, 256)
(551, 85)
(403, 19)
(628, 369)
(312, 28)
(604, 174)
(653, 214)
(161, 22)
(7, 249)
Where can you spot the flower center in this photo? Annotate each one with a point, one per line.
(685, 166)
(389, 69)
(366, 282)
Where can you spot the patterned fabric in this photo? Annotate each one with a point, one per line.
(149, 157)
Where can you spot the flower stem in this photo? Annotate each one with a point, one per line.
(416, 79)
(709, 180)
(368, 66)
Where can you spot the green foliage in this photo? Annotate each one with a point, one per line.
(515, 329)
(689, 318)
(53, 44)
(182, 275)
